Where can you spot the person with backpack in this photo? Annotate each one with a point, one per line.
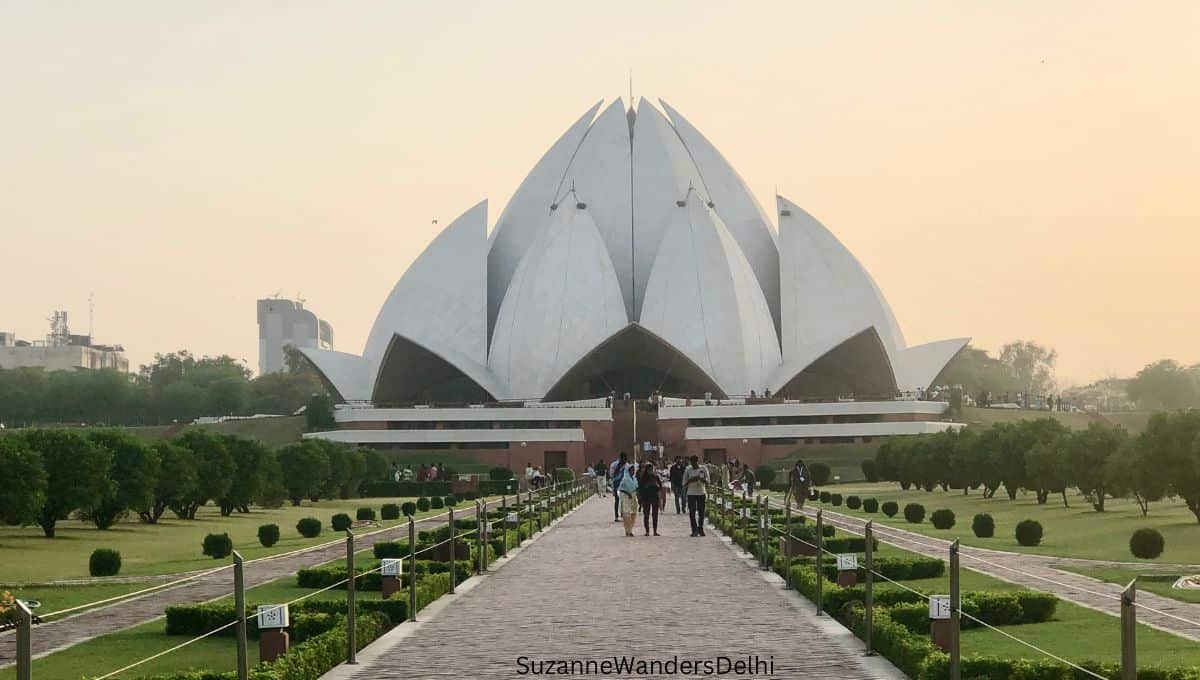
(677, 469)
(695, 481)
(627, 492)
(614, 471)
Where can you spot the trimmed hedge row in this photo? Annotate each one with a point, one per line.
(997, 608)
(323, 577)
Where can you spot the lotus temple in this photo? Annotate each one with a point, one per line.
(633, 294)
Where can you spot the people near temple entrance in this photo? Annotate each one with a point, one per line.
(798, 484)
(601, 471)
(615, 471)
(676, 474)
(747, 478)
(695, 481)
(649, 496)
(627, 496)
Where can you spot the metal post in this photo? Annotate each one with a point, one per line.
(24, 642)
(483, 538)
(868, 536)
(955, 619)
(742, 512)
(761, 508)
(787, 542)
(820, 568)
(239, 612)
(529, 512)
(1129, 632)
(412, 569)
(504, 523)
(351, 609)
(453, 555)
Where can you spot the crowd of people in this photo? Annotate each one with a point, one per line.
(643, 487)
(425, 473)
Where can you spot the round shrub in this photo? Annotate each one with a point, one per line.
(853, 502)
(450, 501)
(869, 470)
(765, 474)
(914, 513)
(983, 525)
(268, 535)
(105, 562)
(365, 513)
(819, 473)
(409, 508)
(1145, 544)
(437, 503)
(824, 496)
(389, 511)
(309, 527)
(422, 504)
(870, 505)
(1029, 532)
(340, 521)
(563, 474)
(500, 474)
(836, 498)
(942, 519)
(890, 508)
(827, 530)
(217, 546)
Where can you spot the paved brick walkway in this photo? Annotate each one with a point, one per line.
(584, 591)
(1038, 573)
(71, 630)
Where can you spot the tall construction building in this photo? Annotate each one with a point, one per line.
(61, 350)
(286, 322)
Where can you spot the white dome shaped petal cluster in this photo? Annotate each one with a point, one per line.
(633, 220)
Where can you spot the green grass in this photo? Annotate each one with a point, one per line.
(270, 431)
(986, 416)
(1157, 582)
(170, 546)
(1077, 531)
(1134, 421)
(844, 460)
(55, 598)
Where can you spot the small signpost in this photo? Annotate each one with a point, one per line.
(273, 620)
(392, 571)
(847, 570)
(939, 621)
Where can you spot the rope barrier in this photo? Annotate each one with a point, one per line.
(166, 651)
(1032, 646)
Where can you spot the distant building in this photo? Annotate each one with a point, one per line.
(60, 351)
(287, 322)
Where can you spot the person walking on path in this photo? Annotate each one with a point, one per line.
(627, 495)
(614, 475)
(601, 478)
(649, 495)
(677, 485)
(747, 478)
(798, 484)
(695, 480)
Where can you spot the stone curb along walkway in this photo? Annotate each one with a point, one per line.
(59, 634)
(1035, 572)
(583, 594)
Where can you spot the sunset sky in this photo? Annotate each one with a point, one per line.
(1004, 170)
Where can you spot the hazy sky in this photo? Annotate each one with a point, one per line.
(1004, 170)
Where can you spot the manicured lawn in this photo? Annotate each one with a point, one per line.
(844, 460)
(986, 416)
(171, 546)
(1076, 531)
(1157, 582)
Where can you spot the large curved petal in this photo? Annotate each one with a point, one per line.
(564, 299)
(414, 371)
(599, 175)
(920, 365)
(858, 366)
(826, 294)
(737, 206)
(346, 374)
(528, 211)
(703, 298)
(440, 301)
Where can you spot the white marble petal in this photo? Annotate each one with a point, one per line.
(826, 295)
(440, 302)
(528, 211)
(348, 373)
(563, 301)
(920, 364)
(737, 207)
(703, 298)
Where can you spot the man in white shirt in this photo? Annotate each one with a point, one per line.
(695, 483)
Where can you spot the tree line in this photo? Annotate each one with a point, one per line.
(175, 387)
(1045, 457)
(104, 475)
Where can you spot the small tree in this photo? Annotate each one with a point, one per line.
(305, 469)
(268, 535)
(1029, 532)
(942, 518)
(914, 513)
(318, 414)
(1146, 544)
(890, 508)
(217, 546)
(1088, 454)
(76, 473)
(309, 527)
(23, 491)
(870, 505)
(104, 562)
(983, 525)
(870, 470)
